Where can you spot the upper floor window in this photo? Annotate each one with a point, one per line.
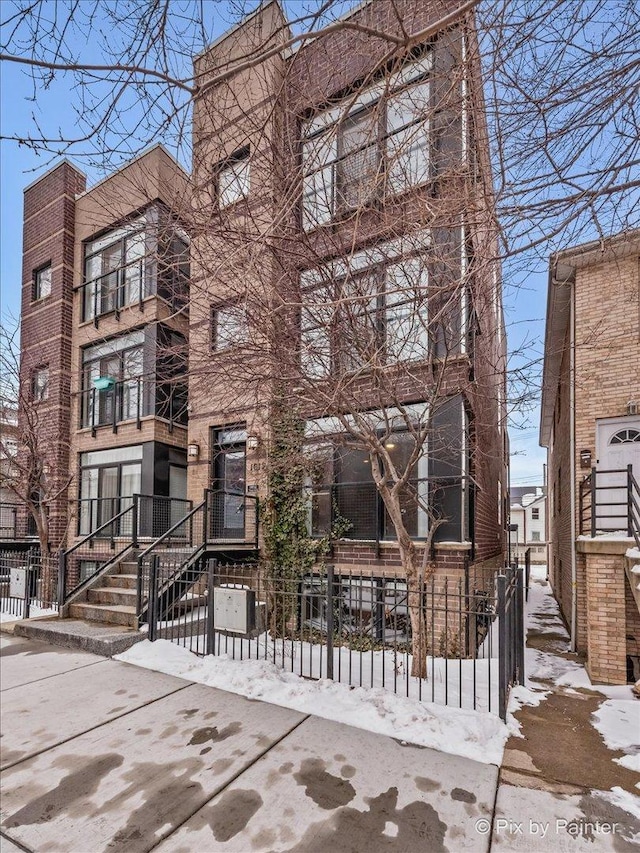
(535, 513)
(112, 381)
(234, 178)
(114, 270)
(228, 326)
(360, 318)
(42, 282)
(40, 384)
(374, 144)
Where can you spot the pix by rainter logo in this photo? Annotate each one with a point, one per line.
(575, 827)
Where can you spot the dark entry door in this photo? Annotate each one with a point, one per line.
(229, 498)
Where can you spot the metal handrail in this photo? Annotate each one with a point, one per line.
(630, 506)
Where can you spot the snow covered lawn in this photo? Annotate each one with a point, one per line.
(479, 735)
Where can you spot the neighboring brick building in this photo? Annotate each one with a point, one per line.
(101, 308)
(590, 424)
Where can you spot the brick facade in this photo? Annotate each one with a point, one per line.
(597, 284)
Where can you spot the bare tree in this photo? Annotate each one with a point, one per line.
(37, 477)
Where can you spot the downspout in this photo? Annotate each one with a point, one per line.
(572, 466)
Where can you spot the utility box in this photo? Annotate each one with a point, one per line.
(18, 583)
(234, 609)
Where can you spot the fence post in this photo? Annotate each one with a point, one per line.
(152, 614)
(134, 532)
(211, 573)
(330, 621)
(527, 571)
(502, 647)
(62, 567)
(26, 609)
(593, 502)
(205, 519)
(519, 626)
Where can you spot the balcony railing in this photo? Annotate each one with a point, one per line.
(16, 525)
(131, 400)
(609, 502)
(146, 516)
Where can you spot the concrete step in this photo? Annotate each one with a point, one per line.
(112, 595)
(126, 567)
(121, 581)
(97, 637)
(112, 614)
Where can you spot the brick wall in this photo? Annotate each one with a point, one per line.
(46, 332)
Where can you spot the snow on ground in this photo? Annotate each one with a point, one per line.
(473, 734)
(6, 616)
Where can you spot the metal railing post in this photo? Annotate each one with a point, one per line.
(205, 518)
(153, 598)
(330, 577)
(134, 522)
(210, 638)
(26, 604)
(519, 625)
(630, 501)
(593, 502)
(62, 568)
(502, 644)
(527, 570)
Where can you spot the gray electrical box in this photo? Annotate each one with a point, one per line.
(234, 609)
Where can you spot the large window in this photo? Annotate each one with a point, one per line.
(108, 481)
(114, 270)
(344, 495)
(358, 318)
(370, 145)
(112, 381)
(344, 500)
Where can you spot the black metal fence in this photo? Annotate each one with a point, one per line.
(15, 522)
(609, 502)
(28, 584)
(438, 641)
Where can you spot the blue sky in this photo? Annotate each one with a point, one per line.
(52, 109)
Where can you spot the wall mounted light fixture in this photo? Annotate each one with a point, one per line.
(252, 442)
(193, 451)
(585, 458)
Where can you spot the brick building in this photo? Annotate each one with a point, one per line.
(346, 186)
(343, 262)
(103, 338)
(591, 428)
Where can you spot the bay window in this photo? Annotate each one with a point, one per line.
(112, 381)
(108, 481)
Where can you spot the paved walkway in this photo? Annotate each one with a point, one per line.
(555, 780)
(99, 755)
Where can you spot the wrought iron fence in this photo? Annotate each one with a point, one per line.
(28, 583)
(16, 522)
(440, 641)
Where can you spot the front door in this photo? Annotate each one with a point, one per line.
(617, 446)
(228, 519)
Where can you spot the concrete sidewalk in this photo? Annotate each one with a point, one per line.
(100, 755)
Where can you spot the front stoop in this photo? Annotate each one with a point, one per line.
(98, 637)
(111, 599)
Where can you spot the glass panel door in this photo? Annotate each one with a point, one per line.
(108, 500)
(229, 498)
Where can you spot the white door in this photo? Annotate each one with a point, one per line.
(617, 446)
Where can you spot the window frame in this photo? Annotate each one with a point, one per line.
(93, 294)
(242, 158)
(40, 393)
(328, 126)
(216, 310)
(36, 289)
